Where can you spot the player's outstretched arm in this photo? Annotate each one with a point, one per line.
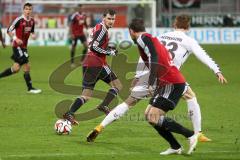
(202, 55)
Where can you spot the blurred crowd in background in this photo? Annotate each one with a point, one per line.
(204, 13)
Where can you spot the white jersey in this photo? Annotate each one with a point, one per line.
(181, 46)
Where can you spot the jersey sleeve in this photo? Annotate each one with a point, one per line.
(149, 49)
(14, 25)
(201, 55)
(98, 40)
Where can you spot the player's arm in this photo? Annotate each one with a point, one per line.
(70, 29)
(97, 42)
(10, 30)
(202, 55)
(71, 22)
(151, 52)
(1, 39)
(33, 35)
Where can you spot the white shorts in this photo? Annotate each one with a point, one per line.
(140, 90)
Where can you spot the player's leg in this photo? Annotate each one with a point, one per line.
(85, 46)
(109, 77)
(28, 80)
(152, 115)
(79, 102)
(89, 80)
(194, 113)
(164, 100)
(10, 71)
(139, 91)
(17, 58)
(115, 114)
(73, 49)
(116, 86)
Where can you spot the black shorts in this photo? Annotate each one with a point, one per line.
(20, 55)
(167, 97)
(92, 74)
(81, 38)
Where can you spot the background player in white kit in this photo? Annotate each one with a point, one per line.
(180, 46)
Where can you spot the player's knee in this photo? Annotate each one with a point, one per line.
(15, 68)
(131, 101)
(189, 94)
(119, 86)
(86, 98)
(26, 68)
(151, 118)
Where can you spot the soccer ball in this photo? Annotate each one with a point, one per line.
(63, 126)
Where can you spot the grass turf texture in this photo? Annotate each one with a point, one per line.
(26, 121)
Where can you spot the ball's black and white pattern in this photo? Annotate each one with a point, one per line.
(63, 126)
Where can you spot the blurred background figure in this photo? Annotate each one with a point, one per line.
(228, 21)
(139, 11)
(76, 32)
(1, 37)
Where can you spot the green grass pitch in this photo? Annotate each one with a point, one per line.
(26, 121)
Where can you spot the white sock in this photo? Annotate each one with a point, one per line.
(115, 114)
(195, 114)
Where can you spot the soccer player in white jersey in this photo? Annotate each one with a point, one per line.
(180, 46)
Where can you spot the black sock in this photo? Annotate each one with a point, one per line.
(112, 93)
(167, 135)
(28, 80)
(6, 73)
(72, 56)
(76, 105)
(175, 127)
(84, 53)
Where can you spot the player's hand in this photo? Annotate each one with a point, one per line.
(18, 41)
(112, 45)
(113, 52)
(34, 37)
(221, 78)
(151, 90)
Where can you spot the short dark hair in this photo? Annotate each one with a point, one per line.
(27, 5)
(109, 11)
(137, 25)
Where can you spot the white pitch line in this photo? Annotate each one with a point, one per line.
(86, 154)
(219, 152)
(65, 154)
